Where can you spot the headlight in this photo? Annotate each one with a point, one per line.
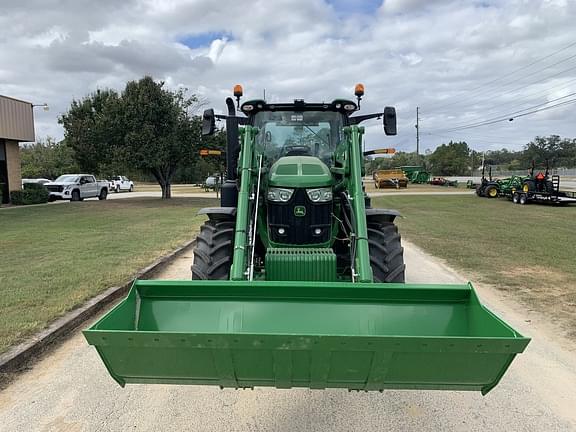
(320, 195)
(280, 195)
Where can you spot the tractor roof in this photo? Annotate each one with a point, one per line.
(344, 106)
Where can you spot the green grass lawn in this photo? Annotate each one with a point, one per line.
(528, 251)
(54, 257)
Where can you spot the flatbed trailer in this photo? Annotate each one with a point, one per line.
(558, 198)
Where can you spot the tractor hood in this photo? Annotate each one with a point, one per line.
(300, 172)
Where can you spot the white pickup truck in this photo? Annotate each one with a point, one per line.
(76, 187)
(121, 183)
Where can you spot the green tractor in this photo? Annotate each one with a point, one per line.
(297, 281)
(494, 188)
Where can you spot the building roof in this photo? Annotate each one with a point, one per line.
(16, 119)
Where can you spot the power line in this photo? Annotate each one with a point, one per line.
(510, 118)
(526, 97)
(534, 82)
(481, 86)
(562, 86)
(508, 115)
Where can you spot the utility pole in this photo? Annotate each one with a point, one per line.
(417, 131)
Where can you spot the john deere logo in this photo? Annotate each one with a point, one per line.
(299, 211)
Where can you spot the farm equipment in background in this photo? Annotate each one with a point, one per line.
(494, 188)
(541, 188)
(298, 281)
(441, 181)
(471, 185)
(390, 179)
(416, 174)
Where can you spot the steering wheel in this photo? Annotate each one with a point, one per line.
(296, 150)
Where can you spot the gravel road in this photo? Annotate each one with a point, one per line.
(70, 390)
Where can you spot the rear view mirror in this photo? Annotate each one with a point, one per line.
(208, 122)
(389, 120)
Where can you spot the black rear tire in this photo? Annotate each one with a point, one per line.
(103, 194)
(386, 252)
(214, 251)
(523, 199)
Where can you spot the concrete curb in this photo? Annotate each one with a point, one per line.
(17, 357)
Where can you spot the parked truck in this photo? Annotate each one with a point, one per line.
(120, 183)
(76, 187)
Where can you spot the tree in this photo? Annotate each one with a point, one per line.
(86, 130)
(147, 127)
(560, 152)
(48, 159)
(451, 159)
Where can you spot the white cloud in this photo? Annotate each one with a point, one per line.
(408, 53)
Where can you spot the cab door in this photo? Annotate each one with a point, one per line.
(89, 188)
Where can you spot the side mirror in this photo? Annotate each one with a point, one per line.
(208, 122)
(389, 120)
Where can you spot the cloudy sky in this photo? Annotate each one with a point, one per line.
(463, 62)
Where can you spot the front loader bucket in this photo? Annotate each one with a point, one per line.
(305, 334)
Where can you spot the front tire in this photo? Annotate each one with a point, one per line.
(75, 195)
(386, 252)
(214, 251)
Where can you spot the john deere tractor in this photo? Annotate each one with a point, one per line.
(297, 281)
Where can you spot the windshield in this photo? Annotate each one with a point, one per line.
(288, 133)
(66, 179)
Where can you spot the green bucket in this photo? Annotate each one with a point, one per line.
(305, 334)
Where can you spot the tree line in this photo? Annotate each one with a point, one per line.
(457, 158)
(150, 132)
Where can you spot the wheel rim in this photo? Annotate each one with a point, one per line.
(492, 193)
(525, 188)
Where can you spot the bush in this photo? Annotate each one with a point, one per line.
(31, 194)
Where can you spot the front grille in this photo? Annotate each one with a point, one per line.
(299, 230)
(55, 188)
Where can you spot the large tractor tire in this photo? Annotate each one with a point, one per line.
(214, 251)
(386, 252)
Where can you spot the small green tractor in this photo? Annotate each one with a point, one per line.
(494, 188)
(297, 281)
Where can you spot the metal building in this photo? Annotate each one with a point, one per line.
(16, 125)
